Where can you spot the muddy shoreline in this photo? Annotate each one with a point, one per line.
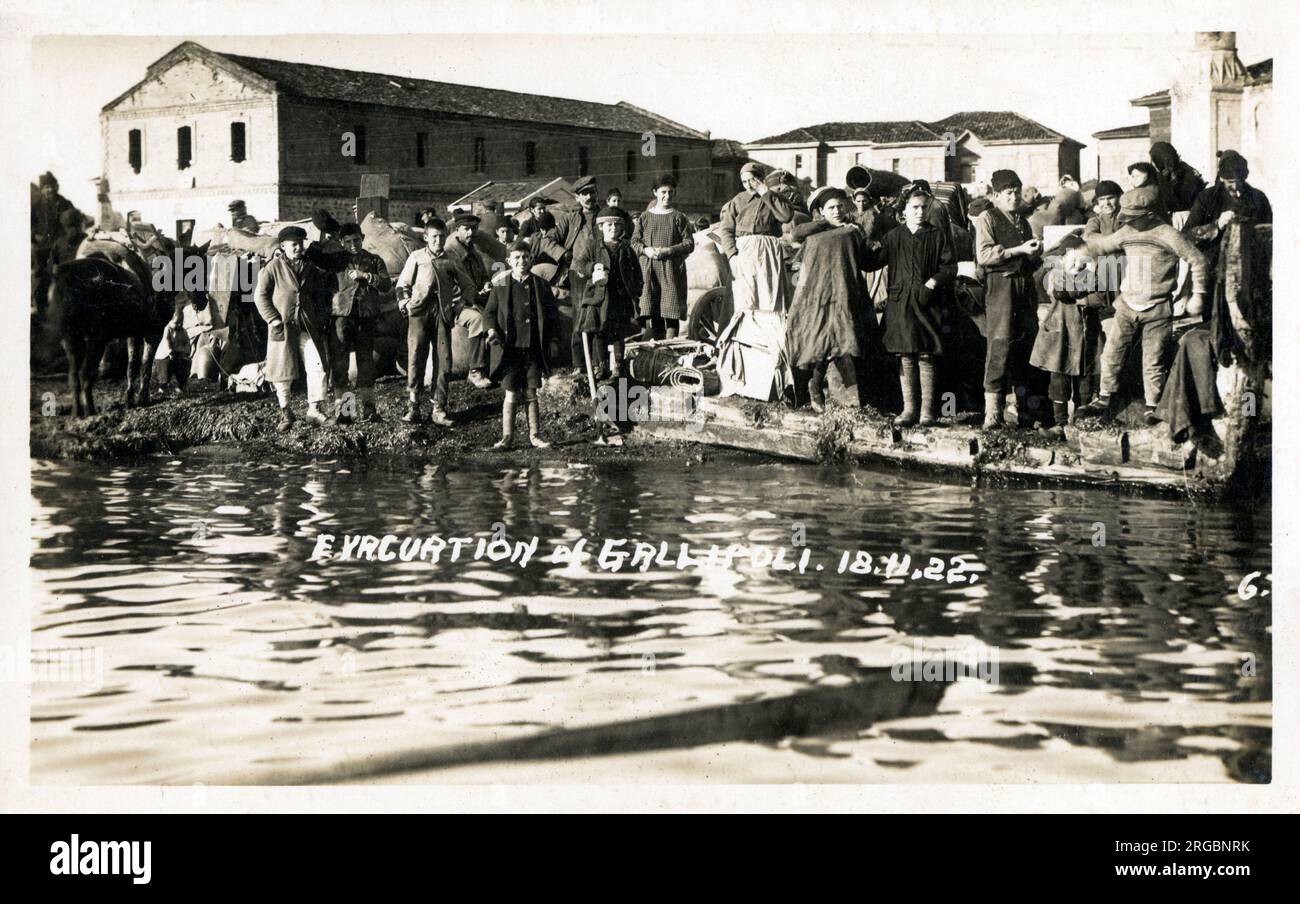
(221, 424)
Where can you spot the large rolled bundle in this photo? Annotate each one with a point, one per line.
(390, 241)
(706, 269)
(120, 254)
(247, 243)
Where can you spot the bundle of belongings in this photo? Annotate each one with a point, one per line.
(751, 356)
(117, 248)
(393, 242)
(680, 363)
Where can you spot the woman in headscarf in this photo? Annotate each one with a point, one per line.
(831, 319)
(922, 268)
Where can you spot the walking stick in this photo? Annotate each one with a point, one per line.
(591, 374)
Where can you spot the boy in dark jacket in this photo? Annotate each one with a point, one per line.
(612, 277)
(522, 326)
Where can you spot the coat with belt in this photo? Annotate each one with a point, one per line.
(302, 303)
(512, 321)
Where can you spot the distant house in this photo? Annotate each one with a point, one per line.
(494, 201)
(203, 128)
(1216, 104)
(963, 147)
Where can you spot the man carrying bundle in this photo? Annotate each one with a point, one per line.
(354, 310)
(461, 249)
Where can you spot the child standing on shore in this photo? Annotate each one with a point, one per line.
(922, 266)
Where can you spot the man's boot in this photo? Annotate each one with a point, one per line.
(286, 419)
(478, 379)
(815, 396)
(929, 393)
(535, 425)
(993, 411)
(507, 425)
(909, 382)
(1060, 417)
(412, 415)
(439, 417)
(1096, 408)
(315, 415)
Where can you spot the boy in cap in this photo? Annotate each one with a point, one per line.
(427, 292)
(1144, 308)
(1105, 209)
(1009, 254)
(612, 280)
(522, 325)
(293, 298)
(354, 310)
(461, 249)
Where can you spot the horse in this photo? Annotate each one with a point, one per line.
(94, 300)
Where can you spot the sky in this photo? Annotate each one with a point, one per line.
(739, 86)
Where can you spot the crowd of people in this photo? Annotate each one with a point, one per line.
(857, 278)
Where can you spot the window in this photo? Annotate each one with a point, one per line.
(238, 142)
(134, 149)
(677, 166)
(583, 160)
(421, 148)
(530, 158)
(631, 166)
(798, 164)
(359, 158)
(480, 155)
(893, 164)
(719, 185)
(184, 147)
(857, 158)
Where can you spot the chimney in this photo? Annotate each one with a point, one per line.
(1205, 101)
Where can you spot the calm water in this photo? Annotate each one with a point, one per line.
(212, 650)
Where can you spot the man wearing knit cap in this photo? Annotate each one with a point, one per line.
(1105, 207)
(575, 225)
(1144, 309)
(1009, 254)
(1230, 198)
(749, 234)
(293, 297)
(1179, 183)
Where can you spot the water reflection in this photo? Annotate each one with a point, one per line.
(229, 656)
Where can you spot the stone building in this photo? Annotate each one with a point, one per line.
(1215, 104)
(203, 128)
(964, 147)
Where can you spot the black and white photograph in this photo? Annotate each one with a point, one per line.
(549, 396)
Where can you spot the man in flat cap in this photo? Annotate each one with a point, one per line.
(1144, 309)
(241, 219)
(461, 249)
(749, 234)
(536, 219)
(1006, 249)
(293, 297)
(1230, 198)
(575, 224)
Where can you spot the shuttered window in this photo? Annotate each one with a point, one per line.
(184, 147)
(238, 142)
(135, 149)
